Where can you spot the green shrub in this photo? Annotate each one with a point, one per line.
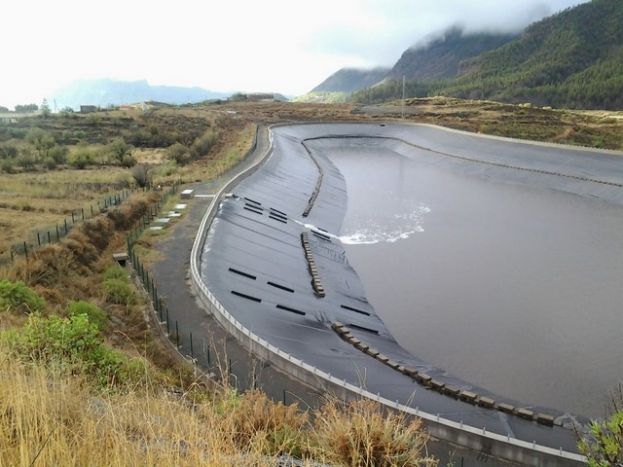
(15, 296)
(603, 446)
(8, 166)
(118, 291)
(179, 153)
(58, 154)
(204, 143)
(49, 163)
(128, 161)
(81, 157)
(72, 345)
(95, 314)
(115, 272)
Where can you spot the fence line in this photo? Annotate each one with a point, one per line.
(42, 236)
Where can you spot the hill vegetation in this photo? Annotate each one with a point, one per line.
(441, 57)
(347, 80)
(573, 59)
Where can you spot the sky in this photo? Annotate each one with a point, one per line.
(286, 46)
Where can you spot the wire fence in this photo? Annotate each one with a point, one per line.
(42, 236)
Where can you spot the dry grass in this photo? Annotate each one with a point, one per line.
(50, 419)
(583, 128)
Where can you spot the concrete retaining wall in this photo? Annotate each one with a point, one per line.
(470, 437)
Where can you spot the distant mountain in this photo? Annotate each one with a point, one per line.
(351, 79)
(104, 92)
(441, 57)
(572, 59)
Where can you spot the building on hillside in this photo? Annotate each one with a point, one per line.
(85, 109)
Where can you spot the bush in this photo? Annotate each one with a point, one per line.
(142, 175)
(15, 296)
(26, 159)
(58, 154)
(49, 163)
(603, 447)
(95, 314)
(361, 435)
(179, 153)
(81, 157)
(119, 292)
(115, 272)
(8, 151)
(118, 149)
(204, 143)
(8, 166)
(73, 345)
(128, 161)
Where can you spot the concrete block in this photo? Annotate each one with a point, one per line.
(487, 402)
(412, 372)
(451, 390)
(545, 419)
(423, 378)
(525, 413)
(186, 194)
(180, 207)
(361, 346)
(372, 351)
(393, 364)
(506, 408)
(382, 358)
(436, 385)
(468, 396)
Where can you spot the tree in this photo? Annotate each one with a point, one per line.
(45, 108)
(4, 109)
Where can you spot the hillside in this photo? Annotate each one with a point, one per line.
(441, 57)
(350, 80)
(104, 92)
(573, 59)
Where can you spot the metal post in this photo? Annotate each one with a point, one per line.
(49, 239)
(58, 237)
(26, 250)
(82, 209)
(168, 331)
(73, 219)
(38, 239)
(92, 210)
(177, 335)
(192, 355)
(403, 96)
(66, 230)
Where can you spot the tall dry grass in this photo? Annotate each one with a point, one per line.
(49, 418)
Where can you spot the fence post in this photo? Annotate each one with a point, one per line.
(82, 209)
(73, 219)
(177, 335)
(58, 236)
(91, 206)
(192, 354)
(38, 239)
(66, 230)
(26, 250)
(168, 331)
(49, 239)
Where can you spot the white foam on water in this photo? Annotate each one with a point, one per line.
(399, 226)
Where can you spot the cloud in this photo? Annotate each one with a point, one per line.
(274, 45)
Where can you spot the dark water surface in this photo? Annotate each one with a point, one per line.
(516, 289)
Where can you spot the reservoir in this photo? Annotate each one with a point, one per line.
(511, 287)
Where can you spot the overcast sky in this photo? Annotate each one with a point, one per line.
(287, 46)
